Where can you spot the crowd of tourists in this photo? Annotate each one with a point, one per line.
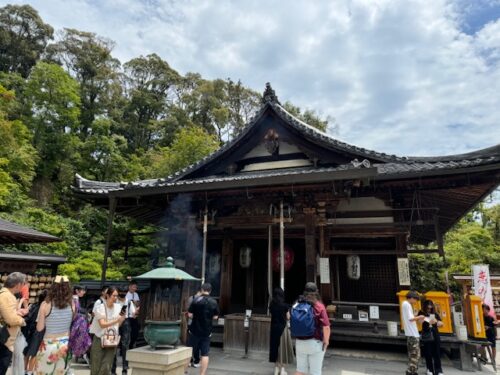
(44, 337)
(309, 325)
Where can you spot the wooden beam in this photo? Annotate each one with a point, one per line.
(227, 272)
(310, 242)
(107, 250)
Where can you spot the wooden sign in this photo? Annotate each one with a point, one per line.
(324, 270)
(404, 271)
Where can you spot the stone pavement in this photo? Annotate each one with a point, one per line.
(338, 361)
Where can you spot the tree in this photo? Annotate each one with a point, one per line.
(189, 146)
(104, 154)
(23, 38)
(309, 117)
(148, 81)
(18, 157)
(88, 59)
(242, 103)
(52, 96)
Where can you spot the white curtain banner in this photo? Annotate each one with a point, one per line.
(482, 284)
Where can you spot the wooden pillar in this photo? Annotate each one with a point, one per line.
(191, 257)
(204, 251)
(249, 286)
(439, 236)
(192, 253)
(310, 241)
(269, 266)
(227, 273)
(107, 252)
(282, 248)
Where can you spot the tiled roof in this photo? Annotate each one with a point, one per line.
(387, 165)
(385, 170)
(11, 233)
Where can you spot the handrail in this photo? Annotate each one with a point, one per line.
(364, 304)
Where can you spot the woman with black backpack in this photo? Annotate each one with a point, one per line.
(32, 337)
(278, 343)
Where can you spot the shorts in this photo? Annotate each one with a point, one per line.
(491, 336)
(200, 344)
(310, 356)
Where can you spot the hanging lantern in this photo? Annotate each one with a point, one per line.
(353, 267)
(289, 258)
(245, 256)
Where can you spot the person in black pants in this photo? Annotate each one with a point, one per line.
(430, 338)
(203, 311)
(278, 309)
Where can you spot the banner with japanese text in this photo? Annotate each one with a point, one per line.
(482, 284)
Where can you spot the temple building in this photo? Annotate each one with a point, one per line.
(284, 203)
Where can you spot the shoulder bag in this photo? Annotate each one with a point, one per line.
(4, 332)
(110, 338)
(427, 336)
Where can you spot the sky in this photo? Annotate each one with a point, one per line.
(405, 77)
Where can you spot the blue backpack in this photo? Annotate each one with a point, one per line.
(302, 323)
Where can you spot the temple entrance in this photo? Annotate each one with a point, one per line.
(249, 288)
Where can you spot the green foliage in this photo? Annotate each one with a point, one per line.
(148, 84)
(77, 111)
(23, 37)
(308, 116)
(17, 156)
(427, 272)
(471, 244)
(53, 100)
(190, 145)
(88, 58)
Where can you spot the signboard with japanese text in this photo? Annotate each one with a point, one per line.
(482, 284)
(324, 270)
(404, 271)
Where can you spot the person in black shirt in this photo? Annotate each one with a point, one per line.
(278, 309)
(431, 342)
(489, 326)
(203, 310)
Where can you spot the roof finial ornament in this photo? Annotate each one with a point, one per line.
(269, 95)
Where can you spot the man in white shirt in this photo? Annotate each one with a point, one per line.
(134, 324)
(411, 331)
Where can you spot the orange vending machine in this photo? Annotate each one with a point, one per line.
(442, 304)
(416, 308)
(475, 321)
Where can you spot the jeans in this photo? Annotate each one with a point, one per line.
(310, 356)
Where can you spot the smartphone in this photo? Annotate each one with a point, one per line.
(123, 310)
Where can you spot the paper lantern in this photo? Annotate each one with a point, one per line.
(353, 267)
(245, 256)
(289, 258)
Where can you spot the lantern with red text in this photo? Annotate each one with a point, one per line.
(289, 257)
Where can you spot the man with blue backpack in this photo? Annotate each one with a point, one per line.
(310, 326)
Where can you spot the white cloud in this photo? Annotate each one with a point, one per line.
(398, 76)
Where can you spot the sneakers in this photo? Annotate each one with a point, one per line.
(283, 372)
(195, 365)
(429, 372)
(86, 359)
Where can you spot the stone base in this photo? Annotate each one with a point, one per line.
(146, 361)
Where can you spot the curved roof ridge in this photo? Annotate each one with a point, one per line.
(382, 156)
(481, 153)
